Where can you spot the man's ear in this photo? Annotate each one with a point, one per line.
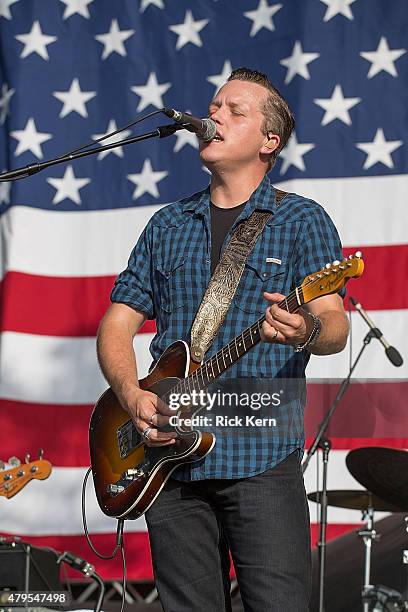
(271, 144)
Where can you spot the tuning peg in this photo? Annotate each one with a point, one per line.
(14, 461)
(336, 262)
(40, 453)
(328, 266)
(358, 254)
(27, 458)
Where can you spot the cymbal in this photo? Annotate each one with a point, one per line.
(384, 471)
(354, 500)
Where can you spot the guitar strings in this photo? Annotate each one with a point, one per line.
(292, 304)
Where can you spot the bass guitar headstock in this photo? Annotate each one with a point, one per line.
(15, 478)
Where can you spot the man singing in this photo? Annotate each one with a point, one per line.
(247, 496)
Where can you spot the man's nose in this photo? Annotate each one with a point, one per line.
(217, 116)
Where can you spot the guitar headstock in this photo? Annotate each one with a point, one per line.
(332, 277)
(15, 478)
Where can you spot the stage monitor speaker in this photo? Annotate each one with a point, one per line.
(28, 568)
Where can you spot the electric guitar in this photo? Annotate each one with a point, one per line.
(15, 478)
(128, 475)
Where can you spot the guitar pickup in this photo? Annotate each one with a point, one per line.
(137, 472)
(114, 489)
(133, 473)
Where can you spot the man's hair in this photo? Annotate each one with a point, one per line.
(278, 117)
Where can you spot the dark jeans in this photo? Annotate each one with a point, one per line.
(263, 520)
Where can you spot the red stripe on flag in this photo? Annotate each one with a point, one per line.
(62, 430)
(137, 549)
(352, 443)
(383, 284)
(56, 306)
(368, 410)
(60, 306)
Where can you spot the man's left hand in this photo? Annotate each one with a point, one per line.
(282, 326)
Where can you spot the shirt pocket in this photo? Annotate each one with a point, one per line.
(257, 278)
(171, 283)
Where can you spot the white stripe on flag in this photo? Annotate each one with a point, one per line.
(52, 370)
(374, 363)
(57, 243)
(55, 507)
(54, 243)
(51, 514)
(367, 210)
(338, 477)
(65, 371)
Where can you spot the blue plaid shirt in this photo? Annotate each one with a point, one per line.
(167, 274)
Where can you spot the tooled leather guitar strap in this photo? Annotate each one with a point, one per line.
(224, 282)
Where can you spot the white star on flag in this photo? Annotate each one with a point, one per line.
(5, 8)
(5, 191)
(338, 7)
(151, 93)
(29, 139)
(188, 31)
(74, 7)
(146, 180)
(218, 80)
(145, 3)
(185, 137)
(5, 102)
(114, 39)
(74, 99)
(297, 62)
(262, 17)
(379, 150)
(116, 138)
(293, 153)
(68, 186)
(336, 107)
(35, 41)
(382, 59)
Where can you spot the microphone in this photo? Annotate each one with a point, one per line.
(204, 128)
(391, 352)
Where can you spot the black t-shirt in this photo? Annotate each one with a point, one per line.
(222, 220)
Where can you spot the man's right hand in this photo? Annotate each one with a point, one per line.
(147, 410)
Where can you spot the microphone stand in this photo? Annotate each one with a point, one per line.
(324, 443)
(161, 132)
(88, 570)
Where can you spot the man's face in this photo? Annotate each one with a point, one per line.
(236, 110)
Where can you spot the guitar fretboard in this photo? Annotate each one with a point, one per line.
(232, 352)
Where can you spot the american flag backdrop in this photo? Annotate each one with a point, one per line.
(73, 70)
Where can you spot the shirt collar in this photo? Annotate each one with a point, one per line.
(263, 198)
